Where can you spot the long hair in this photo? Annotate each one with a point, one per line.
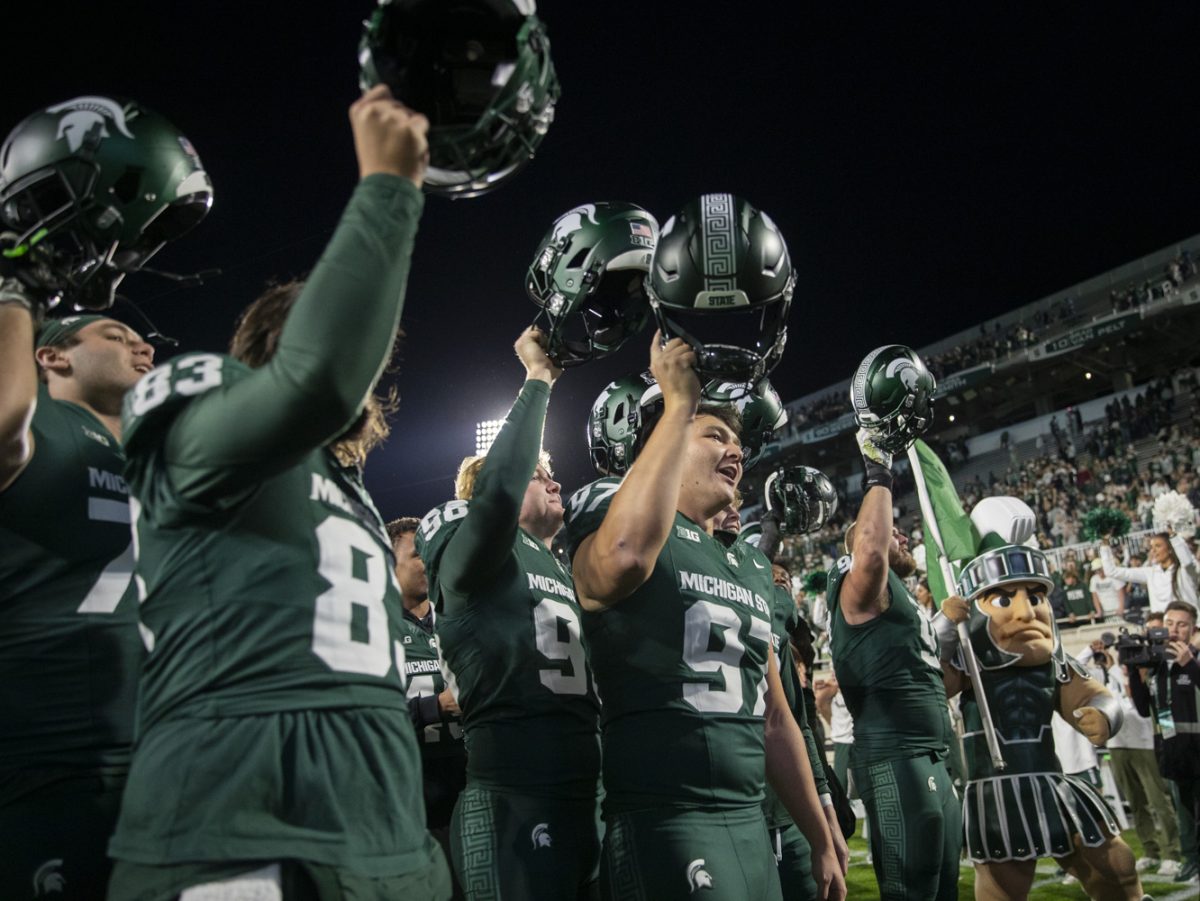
(255, 341)
(1166, 540)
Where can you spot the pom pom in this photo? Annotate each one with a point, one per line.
(1103, 521)
(1173, 511)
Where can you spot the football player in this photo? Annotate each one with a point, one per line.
(680, 634)
(508, 626)
(276, 756)
(434, 709)
(886, 658)
(793, 855)
(69, 645)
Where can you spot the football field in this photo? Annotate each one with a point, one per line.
(1048, 886)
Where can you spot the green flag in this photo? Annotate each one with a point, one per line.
(960, 539)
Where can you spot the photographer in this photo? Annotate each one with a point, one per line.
(1166, 691)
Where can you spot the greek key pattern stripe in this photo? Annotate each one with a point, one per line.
(717, 227)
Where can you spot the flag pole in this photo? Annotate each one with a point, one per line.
(964, 636)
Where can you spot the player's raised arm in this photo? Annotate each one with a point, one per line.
(871, 536)
(18, 383)
(337, 338)
(484, 540)
(619, 556)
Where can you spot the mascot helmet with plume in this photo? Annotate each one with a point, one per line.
(1007, 555)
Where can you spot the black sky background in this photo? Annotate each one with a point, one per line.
(929, 169)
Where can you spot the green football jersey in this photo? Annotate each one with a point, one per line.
(423, 669)
(271, 606)
(890, 676)
(681, 664)
(286, 600)
(69, 646)
(517, 660)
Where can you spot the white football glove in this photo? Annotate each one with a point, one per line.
(870, 450)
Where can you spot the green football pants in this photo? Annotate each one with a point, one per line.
(512, 847)
(669, 854)
(916, 828)
(55, 839)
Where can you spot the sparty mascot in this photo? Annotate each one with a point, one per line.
(1028, 808)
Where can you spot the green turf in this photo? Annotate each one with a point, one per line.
(861, 886)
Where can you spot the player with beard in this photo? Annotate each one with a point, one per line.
(275, 755)
(508, 629)
(885, 656)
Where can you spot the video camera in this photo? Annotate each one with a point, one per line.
(1134, 649)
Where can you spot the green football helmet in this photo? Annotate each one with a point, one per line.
(479, 70)
(615, 422)
(588, 276)
(722, 280)
(892, 397)
(801, 498)
(91, 189)
(761, 410)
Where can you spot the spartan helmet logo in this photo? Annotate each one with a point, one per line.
(572, 220)
(905, 370)
(83, 114)
(698, 877)
(540, 836)
(932, 785)
(47, 879)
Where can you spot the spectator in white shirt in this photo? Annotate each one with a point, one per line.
(1169, 577)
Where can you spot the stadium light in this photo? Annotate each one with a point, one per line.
(485, 434)
(952, 417)
(1087, 375)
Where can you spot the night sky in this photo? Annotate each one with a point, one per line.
(928, 170)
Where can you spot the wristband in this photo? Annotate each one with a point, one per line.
(875, 474)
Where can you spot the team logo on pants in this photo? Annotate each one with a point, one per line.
(932, 785)
(47, 879)
(540, 836)
(698, 877)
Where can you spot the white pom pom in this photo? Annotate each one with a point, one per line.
(1173, 511)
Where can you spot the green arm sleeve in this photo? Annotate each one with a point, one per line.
(485, 539)
(336, 341)
(795, 696)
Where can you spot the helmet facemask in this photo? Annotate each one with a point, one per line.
(802, 498)
(82, 211)
(480, 70)
(731, 345)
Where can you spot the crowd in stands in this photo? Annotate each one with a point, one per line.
(1076, 470)
(1175, 273)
